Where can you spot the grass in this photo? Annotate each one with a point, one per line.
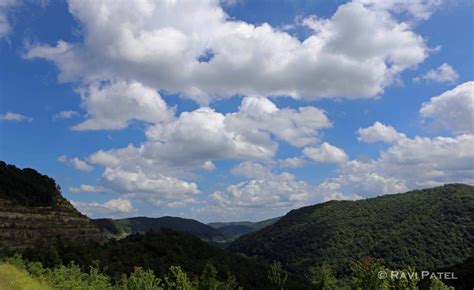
(12, 278)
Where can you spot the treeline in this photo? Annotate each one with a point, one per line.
(73, 277)
(427, 229)
(158, 251)
(366, 275)
(27, 187)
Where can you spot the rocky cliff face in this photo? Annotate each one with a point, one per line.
(33, 210)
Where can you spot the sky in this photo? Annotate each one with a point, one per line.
(238, 109)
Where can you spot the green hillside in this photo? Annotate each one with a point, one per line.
(27, 187)
(12, 278)
(158, 251)
(233, 230)
(125, 227)
(427, 229)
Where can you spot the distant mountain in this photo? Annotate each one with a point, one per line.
(32, 209)
(233, 230)
(426, 229)
(125, 227)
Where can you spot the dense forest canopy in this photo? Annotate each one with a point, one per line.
(27, 187)
(426, 229)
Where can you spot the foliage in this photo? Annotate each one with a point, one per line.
(426, 229)
(27, 187)
(437, 284)
(277, 275)
(322, 277)
(233, 230)
(158, 251)
(366, 274)
(12, 277)
(141, 280)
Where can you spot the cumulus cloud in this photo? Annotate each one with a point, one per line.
(355, 53)
(88, 189)
(443, 74)
(453, 110)
(379, 132)
(112, 106)
(297, 127)
(326, 153)
(293, 162)
(15, 117)
(409, 163)
(264, 189)
(204, 134)
(112, 207)
(156, 170)
(76, 163)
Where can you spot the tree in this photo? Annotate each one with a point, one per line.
(437, 284)
(322, 278)
(277, 275)
(367, 274)
(208, 280)
(141, 280)
(177, 279)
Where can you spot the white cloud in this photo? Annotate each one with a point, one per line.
(264, 189)
(379, 132)
(452, 110)
(80, 164)
(293, 162)
(157, 169)
(423, 161)
(112, 106)
(355, 53)
(5, 6)
(15, 117)
(297, 127)
(410, 163)
(419, 9)
(87, 188)
(326, 153)
(76, 163)
(252, 170)
(112, 207)
(443, 74)
(65, 115)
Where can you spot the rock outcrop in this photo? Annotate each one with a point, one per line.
(33, 210)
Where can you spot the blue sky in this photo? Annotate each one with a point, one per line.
(236, 110)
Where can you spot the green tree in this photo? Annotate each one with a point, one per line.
(406, 279)
(367, 274)
(141, 280)
(177, 279)
(208, 280)
(277, 275)
(437, 284)
(322, 277)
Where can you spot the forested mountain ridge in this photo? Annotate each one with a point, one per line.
(127, 226)
(233, 230)
(157, 251)
(427, 229)
(32, 209)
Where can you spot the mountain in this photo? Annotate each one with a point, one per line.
(32, 209)
(158, 251)
(233, 230)
(125, 227)
(426, 229)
